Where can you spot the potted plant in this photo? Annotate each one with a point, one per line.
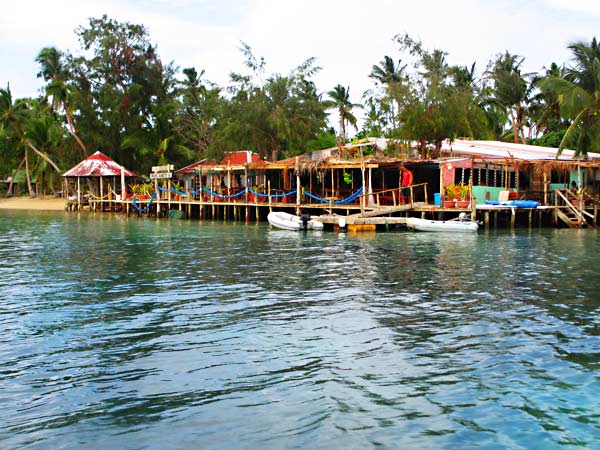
(450, 195)
(146, 190)
(138, 191)
(463, 194)
(177, 186)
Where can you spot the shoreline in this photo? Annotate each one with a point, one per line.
(33, 204)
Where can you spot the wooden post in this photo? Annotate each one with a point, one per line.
(298, 192)
(269, 192)
(246, 194)
(101, 195)
(78, 193)
(123, 187)
(332, 184)
(555, 212)
(545, 187)
(364, 191)
(426, 197)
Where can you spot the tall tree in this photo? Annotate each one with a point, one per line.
(123, 89)
(17, 116)
(392, 77)
(273, 114)
(54, 71)
(510, 89)
(340, 100)
(579, 97)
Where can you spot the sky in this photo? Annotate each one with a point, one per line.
(346, 36)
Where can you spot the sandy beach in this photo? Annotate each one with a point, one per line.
(40, 204)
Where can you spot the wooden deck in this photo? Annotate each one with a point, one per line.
(352, 214)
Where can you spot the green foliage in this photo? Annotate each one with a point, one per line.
(578, 92)
(324, 139)
(340, 100)
(550, 139)
(451, 191)
(115, 94)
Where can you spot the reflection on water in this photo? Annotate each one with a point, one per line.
(153, 334)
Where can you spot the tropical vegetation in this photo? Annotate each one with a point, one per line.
(117, 95)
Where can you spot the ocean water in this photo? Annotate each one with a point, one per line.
(142, 334)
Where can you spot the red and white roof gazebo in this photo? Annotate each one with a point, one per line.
(98, 166)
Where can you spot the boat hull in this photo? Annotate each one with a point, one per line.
(451, 226)
(287, 221)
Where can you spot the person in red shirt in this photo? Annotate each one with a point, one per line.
(407, 180)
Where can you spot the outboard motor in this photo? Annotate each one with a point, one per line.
(304, 218)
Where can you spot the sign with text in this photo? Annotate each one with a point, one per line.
(155, 176)
(167, 168)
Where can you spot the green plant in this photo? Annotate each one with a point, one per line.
(136, 188)
(148, 188)
(450, 191)
(176, 184)
(462, 191)
(347, 178)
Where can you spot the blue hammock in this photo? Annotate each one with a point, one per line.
(176, 191)
(215, 194)
(147, 207)
(285, 194)
(343, 201)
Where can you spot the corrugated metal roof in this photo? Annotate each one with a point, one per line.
(241, 157)
(97, 165)
(505, 150)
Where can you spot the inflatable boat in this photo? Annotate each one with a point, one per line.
(287, 221)
(455, 226)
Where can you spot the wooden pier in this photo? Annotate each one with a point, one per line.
(362, 216)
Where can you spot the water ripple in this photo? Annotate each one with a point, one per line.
(144, 334)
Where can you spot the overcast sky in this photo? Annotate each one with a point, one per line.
(346, 36)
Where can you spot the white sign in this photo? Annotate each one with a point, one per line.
(167, 168)
(154, 176)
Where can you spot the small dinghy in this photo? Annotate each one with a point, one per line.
(456, 226)
(287, 221)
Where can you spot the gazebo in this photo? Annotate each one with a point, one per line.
(97, 167)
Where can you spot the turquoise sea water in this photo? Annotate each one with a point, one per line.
(145, 334)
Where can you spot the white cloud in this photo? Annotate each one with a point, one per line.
(578, 6)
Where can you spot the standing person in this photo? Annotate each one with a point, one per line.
(407, 180)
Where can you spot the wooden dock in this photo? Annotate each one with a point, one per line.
(367, 217)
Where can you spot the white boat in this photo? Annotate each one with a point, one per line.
(454, 226)
(287, 221)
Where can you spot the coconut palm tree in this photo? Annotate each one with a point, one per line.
(392, 77)
(53, 71)
(387, 71)
(579, 98)
(340, 100)
(17, 117)
(510, 88)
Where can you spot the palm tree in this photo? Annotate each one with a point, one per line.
(391, 76)
(16, 116)
(53, 71)
(510, 88)
(340, 99)
(579, 98)
(387, 72)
